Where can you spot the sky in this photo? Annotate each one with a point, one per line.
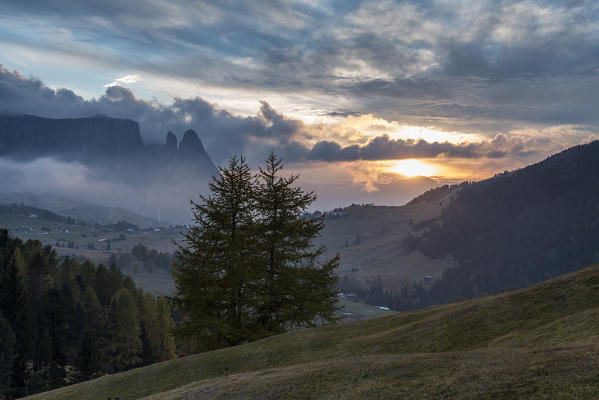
(370, 101)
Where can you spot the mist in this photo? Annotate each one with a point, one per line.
(164, 197)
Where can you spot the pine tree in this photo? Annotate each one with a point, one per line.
(124, 347)
(14, 306)
(88, 350)
(213, 269)
(12, 296)
(298, 290)
(38, 282)
(7, 344)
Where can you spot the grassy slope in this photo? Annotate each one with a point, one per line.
(380, 252)
(539, 342)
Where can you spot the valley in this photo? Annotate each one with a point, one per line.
(368, 239)
(160, 238)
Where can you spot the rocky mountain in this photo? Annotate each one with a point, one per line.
(105, 160)
(26, 137)
(29, 137)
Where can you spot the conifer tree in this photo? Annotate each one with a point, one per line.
(38, 282)
(60, 330)
(124, 347)
(14, 306)
(12, 296)
(248, 268)
(88, 351)
(213, 270)
(298, 289)
(7, 344)
(156, 326)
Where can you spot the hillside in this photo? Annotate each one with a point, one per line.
(515, 229)
(370, 239)
(539, 342)
(78, 209)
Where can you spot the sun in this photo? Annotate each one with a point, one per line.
(412, 168)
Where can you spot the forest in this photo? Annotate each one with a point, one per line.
(67, 321)
(514, 230)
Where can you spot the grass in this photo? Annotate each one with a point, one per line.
(354, 310)
(484, 374)
(379, 252)
(539, 342)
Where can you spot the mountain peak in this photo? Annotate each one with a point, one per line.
(171, 141)
(191, 143)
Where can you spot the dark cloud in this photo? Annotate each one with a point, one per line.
(225, 134)
(385, 148)
(487, 66)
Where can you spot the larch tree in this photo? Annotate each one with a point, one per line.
(298, 290)
(248, 268)
(213, 271)
(124, 348)
(157, 326)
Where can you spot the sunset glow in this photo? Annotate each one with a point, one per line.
(411, 89)
(411, 168)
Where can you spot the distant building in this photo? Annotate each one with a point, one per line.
(428, 277)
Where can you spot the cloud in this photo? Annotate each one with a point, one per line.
(165, 196)
(225, 134)
(124, 80)
(456, 65)
(385, 148)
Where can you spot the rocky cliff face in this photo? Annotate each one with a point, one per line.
(171, 142)
(95, 139)
(156, 180)
(29, 137)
